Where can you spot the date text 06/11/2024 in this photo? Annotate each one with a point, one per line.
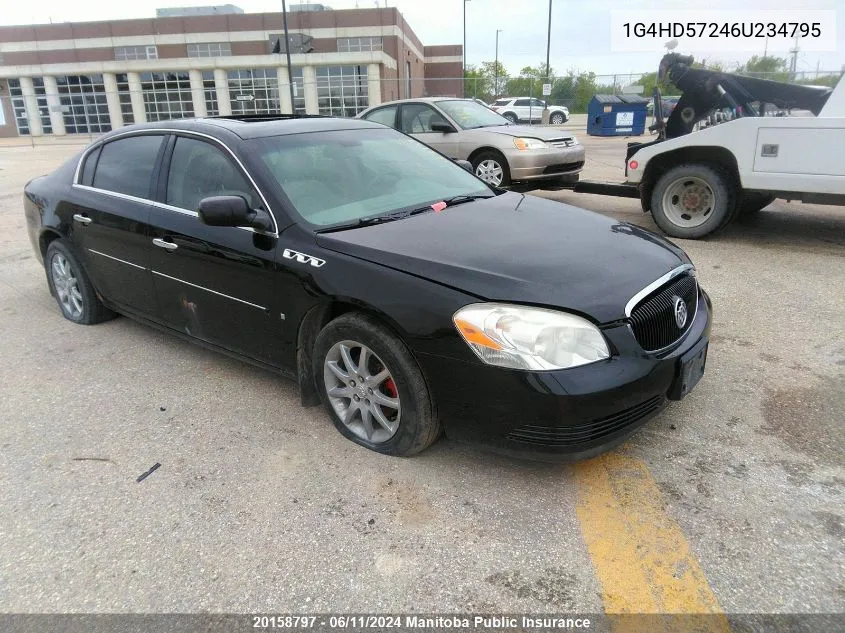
(418, 622)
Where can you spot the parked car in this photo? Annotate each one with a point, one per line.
(529, 109)
(501, 154)
(401, 291)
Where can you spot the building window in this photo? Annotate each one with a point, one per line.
(84, 105)
(342, 90)
(132, 53)
(43, 107)
(209, 89)
(167, 95)
(19, 107)
(210, 49)
(298, 91)
(20, 110)
(254, 91)
(358, 44)
(125, 98)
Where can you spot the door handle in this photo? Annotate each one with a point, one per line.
(170, 246)
(82, 219)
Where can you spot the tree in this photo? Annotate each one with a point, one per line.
(774, 68)
(479, 81)
(530, 82)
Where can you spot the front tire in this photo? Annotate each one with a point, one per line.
(492, 168)
(70, 285)
(693, 200)
(557, 118)
(372, 387)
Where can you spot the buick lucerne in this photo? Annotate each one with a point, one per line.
(399, 290)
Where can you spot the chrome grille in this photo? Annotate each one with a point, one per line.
(653, 319)
(561, 142)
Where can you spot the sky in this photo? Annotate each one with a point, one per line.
(580, 28)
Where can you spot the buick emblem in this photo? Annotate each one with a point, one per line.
(680, 313)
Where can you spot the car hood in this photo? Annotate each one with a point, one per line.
(531, 131)
(521, 249)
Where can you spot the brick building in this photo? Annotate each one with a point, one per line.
(91, 77)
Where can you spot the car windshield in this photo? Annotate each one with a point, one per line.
(338, 177)
(470, 115)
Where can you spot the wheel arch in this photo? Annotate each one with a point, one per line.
(703, 154)
(487, 148)
(47, 236)
(315, 319)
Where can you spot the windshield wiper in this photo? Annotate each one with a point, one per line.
(465, 198)
(375, 219)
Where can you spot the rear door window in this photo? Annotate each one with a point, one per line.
(386, 116)
(522, 102)
(126, 165)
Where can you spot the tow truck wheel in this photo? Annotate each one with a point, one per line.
(693, 200)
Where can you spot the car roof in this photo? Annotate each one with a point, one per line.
(255, 126)
(420, 100)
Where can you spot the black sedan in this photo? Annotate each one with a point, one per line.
(405, 294)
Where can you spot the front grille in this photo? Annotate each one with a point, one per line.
(563, 167)
(589, 432)
(561, 142)
(653, 319)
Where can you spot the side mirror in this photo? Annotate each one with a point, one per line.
(232, 211)
(442, 127)
(466, 165)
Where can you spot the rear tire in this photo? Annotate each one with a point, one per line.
(492, 168)
(70, 285)
(383, 403)
(510, 116)
(693, 200)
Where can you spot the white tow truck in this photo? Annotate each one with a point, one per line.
(696, 181)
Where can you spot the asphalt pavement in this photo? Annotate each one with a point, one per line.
(730, 501)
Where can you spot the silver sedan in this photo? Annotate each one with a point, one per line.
(501, 153)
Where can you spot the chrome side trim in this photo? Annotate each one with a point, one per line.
(117, 259)
(164, 132)
(161, 205)
(642, 294)
(188, 283)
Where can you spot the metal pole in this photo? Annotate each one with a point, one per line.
(287, 53)
(496, 67)
(549, 43)
(464, 49)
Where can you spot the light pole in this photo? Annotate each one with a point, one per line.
(546, 99)
(464, 53)
(496, 68)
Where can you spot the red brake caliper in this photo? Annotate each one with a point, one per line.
(391, 387)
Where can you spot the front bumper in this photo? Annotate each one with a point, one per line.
(560, 415)
(545, 164)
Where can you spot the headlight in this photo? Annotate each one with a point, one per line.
(528, 143)
(521, 337)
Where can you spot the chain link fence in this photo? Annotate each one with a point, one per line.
(87, 111)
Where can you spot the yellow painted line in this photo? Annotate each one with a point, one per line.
(641, 557)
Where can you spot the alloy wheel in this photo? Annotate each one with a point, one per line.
(67, 286)
(557, 119)
(490, 172)
(362, 391)
(688, 201)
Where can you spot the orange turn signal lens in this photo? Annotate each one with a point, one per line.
(473, 335)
